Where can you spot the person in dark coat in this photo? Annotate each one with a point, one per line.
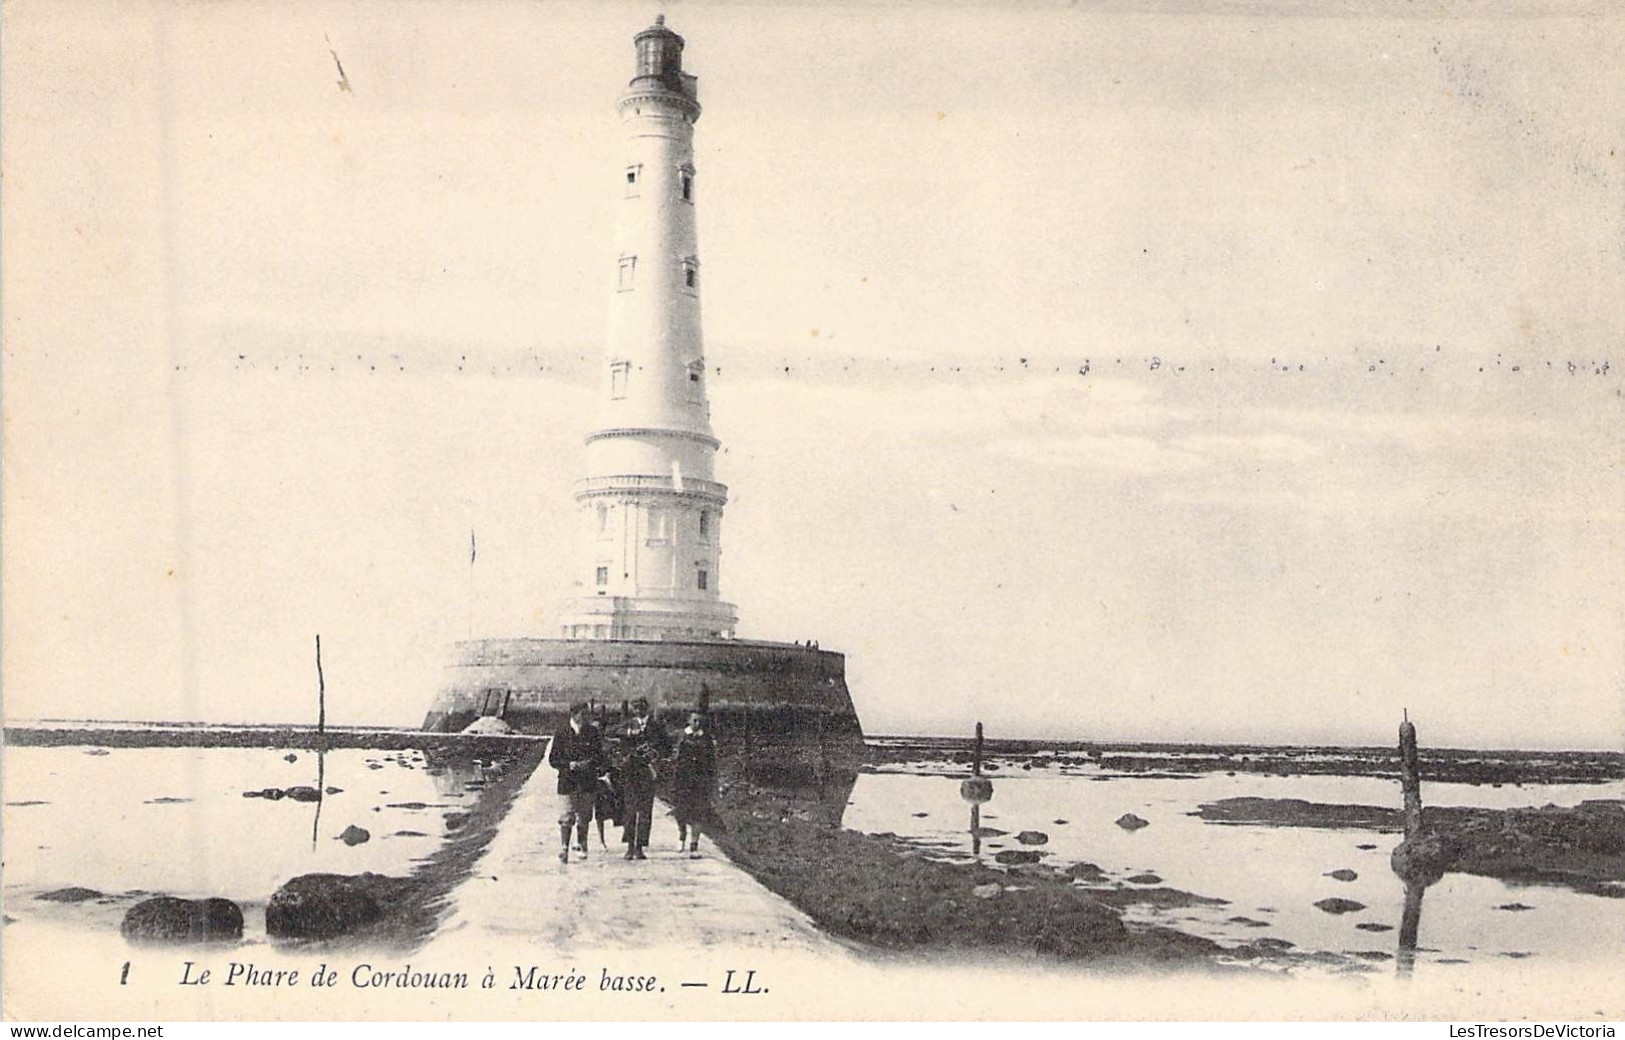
(578, 754)
(639, 743)
(693, 783)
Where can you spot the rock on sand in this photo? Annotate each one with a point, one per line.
(321, 906)
(1131, 822)
(353, 835)
(72, 894)
(168, 919)
(1337, 905)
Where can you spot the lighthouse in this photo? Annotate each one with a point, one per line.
(647, 619)
(650, 508)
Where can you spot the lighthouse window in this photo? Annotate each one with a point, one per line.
(688, 277)
(691, 273)
(617, 379)
(603, 577)
(696, 390)
(705, 528)
(688, 188)
(629, 265)
(634, 174)
(703, 579)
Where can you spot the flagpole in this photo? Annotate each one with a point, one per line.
(473, 551)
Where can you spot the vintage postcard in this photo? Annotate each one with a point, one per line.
(813, 511)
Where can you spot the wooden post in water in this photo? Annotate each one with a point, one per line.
(1410, 781)
(1410, 923)
(976, 789)
(321, 693)
(1410, 777)
(321, 745)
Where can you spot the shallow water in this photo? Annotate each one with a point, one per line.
(1268, 874)
(76, 817)
(174, 820)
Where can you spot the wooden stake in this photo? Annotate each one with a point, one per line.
(321, 691)
(321, 744)
(1410, 777)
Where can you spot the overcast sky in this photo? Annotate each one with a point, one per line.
(1098, 372)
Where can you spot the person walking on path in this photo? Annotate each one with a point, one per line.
(640, 742)
(578, 754)
(694, 783)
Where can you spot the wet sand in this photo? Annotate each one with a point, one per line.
(875, 890)
(301, 738)
(1440, 765)
(1580, 847)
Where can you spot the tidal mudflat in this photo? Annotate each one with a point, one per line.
(1079, 856)
(1269, 892)
(92, 831)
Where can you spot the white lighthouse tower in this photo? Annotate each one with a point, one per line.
(651, 512)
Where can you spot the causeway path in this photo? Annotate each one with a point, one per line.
(520, 892)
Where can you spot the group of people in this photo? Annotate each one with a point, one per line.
(612, 776)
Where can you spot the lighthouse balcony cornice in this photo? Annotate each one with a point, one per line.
(638, 484)
(653, 431)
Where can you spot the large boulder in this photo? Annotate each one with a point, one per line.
(322, 906)
(1131, 822)
(1015, 856)
(165, 919)
(303, 794)
(1424, 859)
(1033, 838)
(353, 835)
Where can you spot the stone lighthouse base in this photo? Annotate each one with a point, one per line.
(758, 691)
